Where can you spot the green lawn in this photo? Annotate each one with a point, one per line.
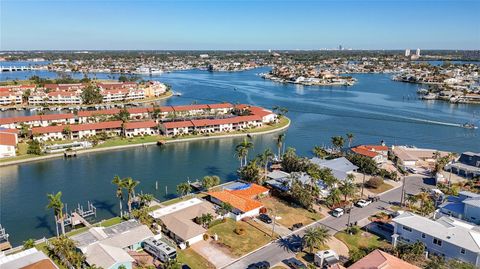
(111, 222)
(193, 259)
(362, 239)
(118, 141)
(383, 188)
(239, 245)
(289, 214)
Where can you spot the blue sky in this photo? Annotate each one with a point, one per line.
(230, 24)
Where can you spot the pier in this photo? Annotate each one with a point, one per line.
(15, 68)
(4, 243)
(78, 215)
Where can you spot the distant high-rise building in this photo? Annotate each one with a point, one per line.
(418, 52)
(340, 47)
(407, 52)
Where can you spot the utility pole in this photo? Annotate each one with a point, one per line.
(402, 195)
(273, 226)
(349, 214)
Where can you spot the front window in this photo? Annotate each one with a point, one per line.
(437, 241)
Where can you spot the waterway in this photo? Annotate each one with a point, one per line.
(374, 109)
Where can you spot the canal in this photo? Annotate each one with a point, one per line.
(375, 109)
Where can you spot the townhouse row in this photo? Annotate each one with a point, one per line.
(71, 94)
(136, 113)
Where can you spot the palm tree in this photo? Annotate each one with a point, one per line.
(350, 137)
(145, 199)
(184, 189)
(119, 193)
(334, 197)
(315, 237)
(424, 199)
(210, 181)
(412, 200)
(30, 243)
(320, 152)
(265, 157)
(241, 153)
(348, 187)
(338, 142)
(55, 203)
(129, 184)
(280, 141)
(243, 148)
(124, 116)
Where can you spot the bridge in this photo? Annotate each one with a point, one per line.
(15, 68)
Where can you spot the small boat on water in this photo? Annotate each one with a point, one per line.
(177, 93)
(468, 125)
(430, 96)
(422, 91)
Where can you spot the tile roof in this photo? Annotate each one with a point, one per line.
(140, 124)
(365, 152)
(8, 139)
(243, 199)
(177, 124)
(378, 259)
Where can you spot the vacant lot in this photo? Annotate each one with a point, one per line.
(287, 214)
(383, 188)
(239, 244)
(361, 240)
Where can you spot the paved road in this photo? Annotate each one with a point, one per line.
(279, 250)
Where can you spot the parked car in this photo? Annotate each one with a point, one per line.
(338, 212)
(362, 203)
(265, 218)
(297, 226)
(296, 246)
(295, 263)
(259, 265)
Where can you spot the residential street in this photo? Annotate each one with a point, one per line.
(279, 250)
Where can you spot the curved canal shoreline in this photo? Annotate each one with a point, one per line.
(171, 141)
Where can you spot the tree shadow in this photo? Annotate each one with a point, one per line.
(106, 206)
(292, 243)
(44, 223)
(212, 170)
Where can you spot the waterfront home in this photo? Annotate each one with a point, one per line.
(31, 258)
(10, 98)
(468, 165)
(378, 153)
(8, 142)
(178, 220)
(78, 131)
(465, 206)
(447, 237)
(37, 120)
(141, 128)
(243, 197)
(108, 247)
(340, 167)
(412, 156)
(378, 259)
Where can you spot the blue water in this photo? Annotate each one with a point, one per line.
(375, 109)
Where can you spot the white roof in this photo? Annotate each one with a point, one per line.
(174, 208)
(447, 229)
(105, 256)
(277, 174)
(340, 166)
(23, 259)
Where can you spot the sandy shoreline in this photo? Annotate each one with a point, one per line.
(94, 150)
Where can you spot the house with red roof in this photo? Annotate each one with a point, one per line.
(379, 153)
(8, 142)
(10, 98)
(243, 197)
(378, 259)
(141, 128)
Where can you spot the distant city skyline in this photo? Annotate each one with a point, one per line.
(235, 25)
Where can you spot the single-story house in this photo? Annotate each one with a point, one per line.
(178, 220)
(378, 153)
(412, 156)
(8, 142)
(107, 246)
(243, 197)
(340, 167)
(378, 259)
(27, 259)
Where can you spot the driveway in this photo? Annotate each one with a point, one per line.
(213, 253)
(280, 249)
